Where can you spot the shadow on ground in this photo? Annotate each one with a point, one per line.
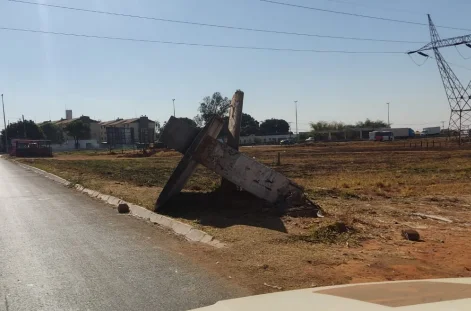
(223, 210)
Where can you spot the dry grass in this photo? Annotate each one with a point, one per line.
(368, 190)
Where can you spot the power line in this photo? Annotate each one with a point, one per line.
(358, 15)
(462, 56)
(418, 65)
(428, 56)
(199, 44)
(374, 7)
(279, 32)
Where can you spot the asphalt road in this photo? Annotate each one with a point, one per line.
(61, 250)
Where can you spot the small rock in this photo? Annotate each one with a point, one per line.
(467, 269)
(411, 235)
(123, 208)
(265, 267)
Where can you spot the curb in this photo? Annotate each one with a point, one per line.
(178, 227)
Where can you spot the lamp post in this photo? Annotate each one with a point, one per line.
(389, 124)
(173, 107)
(296, 112)
(5, 125)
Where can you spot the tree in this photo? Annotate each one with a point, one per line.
(274, 126)
(52, 132)
(248, 125)
(216, 105)
(371, 124)
(20, 129)
(78, 130)
(321, 126)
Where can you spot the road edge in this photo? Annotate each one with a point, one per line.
(179, 228)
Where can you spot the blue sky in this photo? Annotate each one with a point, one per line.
(41, 75)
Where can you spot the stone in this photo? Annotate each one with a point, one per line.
(123, 208)
(411, 235)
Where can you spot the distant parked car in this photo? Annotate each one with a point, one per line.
(310, 139)
(287, 142)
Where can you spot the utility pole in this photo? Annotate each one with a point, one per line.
(443, 125)
(296, 111)
(173, 107)
(389, 124)
(5, 125)
(24, 126)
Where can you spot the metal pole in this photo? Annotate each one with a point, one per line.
(296, 110)
(5, 125)
(24, 126)
(173, 107)
(389, 124)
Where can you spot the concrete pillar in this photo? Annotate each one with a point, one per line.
(361, 135)
(235, 118)
(233, 133)
(330, 136)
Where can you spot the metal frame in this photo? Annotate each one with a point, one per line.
(458, 96)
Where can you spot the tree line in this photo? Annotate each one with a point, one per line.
(339, 126)
(77, 129)
(218, 105)
(210, 106)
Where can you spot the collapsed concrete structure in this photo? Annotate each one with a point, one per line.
(202, 147)
(236, 169)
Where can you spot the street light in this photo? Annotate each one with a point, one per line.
(296, 111)
(173, 107)
(5, 125)
(389, 124)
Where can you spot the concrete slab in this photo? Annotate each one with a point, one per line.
(95, 194)
(247, 173)
(165, 221)
(195, 235)
(103, 197)
(206, 239)
(78, 187)
(155, 218)
(113, 200)
(181, 228)
(140, 211)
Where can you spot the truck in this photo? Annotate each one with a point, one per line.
(381, 136)
(430, 131)
(401, 133)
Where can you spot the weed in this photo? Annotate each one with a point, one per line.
(334, 233)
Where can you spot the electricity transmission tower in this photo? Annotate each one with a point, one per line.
(459, 97)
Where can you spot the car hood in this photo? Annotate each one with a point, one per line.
(423, 295)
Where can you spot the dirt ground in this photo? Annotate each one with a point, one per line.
(369, 192)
